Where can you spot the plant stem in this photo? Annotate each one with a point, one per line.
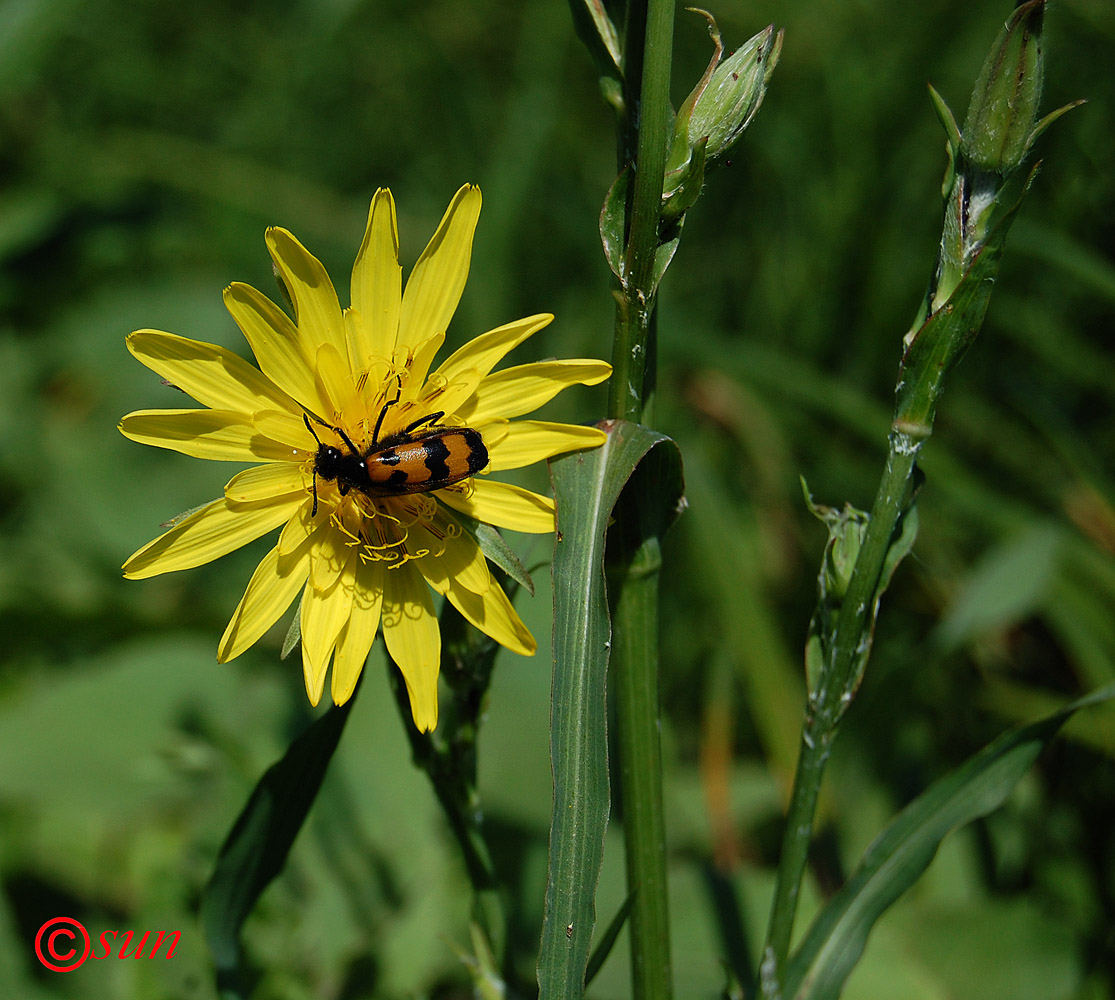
(452, 773)
(634, 681)
(635, 559)
(647, 130)
(826, 706)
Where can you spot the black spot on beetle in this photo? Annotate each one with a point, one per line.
(436, 454)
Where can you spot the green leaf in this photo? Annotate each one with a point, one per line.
(952, 138)
(293, 633)
(1009, 583)
(663, 256)
(612, 215)
(608, 939)
(948, 122)
(496, 550)
(938, 341)
(595, 28)
(902, 852)
(587, 486)
(256, 847)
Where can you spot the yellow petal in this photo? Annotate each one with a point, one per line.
(300, 527)
(316, 309)
(275, 342)
(265, 481)
(215, 530)
(219, 435)
(212, 375)
(448, 396)
(454, 555)
(313, 673)
(435, 285)
(323, 616)
(335, 382)
(273, 585)
(503, 505)
(331, 555)
(287, 429)
(361, 369)
(422, 357)
(377, 285)
(514, 391)
(356, 638)
(492, 613)
(530, 441)
(411, 632)
(483, 353)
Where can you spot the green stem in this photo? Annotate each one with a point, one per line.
(635, 562)
(634, 683)
(795, 846)
(827, 705)
(451, 770)
(648, 113)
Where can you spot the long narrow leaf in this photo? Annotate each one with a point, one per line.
(587, 486)
(607, 940)
(902, 852)
(257, 846)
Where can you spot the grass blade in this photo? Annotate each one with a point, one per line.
(258, 843)
(587, 486)
(902, 852)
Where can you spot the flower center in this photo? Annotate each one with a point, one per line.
(394, 530)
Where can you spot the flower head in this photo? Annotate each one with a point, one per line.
(368, 458)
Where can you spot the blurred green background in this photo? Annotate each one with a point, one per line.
(145, 146)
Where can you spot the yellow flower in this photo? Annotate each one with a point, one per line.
(362, 547)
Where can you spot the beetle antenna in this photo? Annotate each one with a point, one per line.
(383, 412)
(347, 440)
(313, 481)
(432, 418)
(309, 426)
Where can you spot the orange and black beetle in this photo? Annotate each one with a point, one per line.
(409, 461)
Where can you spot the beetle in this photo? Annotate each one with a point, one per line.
(409, 461)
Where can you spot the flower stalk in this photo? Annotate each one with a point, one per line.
(648, 113)
(634, 562)
(449, 759)
(831, 695)
(999, 131)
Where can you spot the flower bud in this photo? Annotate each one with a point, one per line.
(728, 102)
(718, 109)
(999, 128)
(846, 529)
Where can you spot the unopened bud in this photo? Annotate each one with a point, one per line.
(733, 95)
(846, 529)
(1000, 126)
(719, 107)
